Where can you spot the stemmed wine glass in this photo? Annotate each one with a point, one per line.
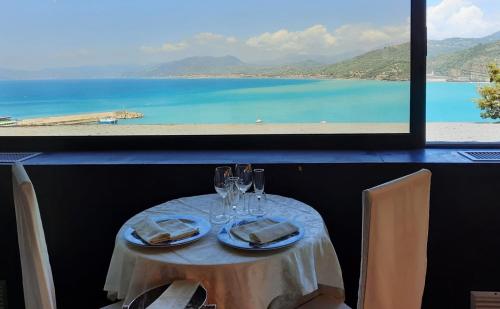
(245, 179)
(233, 195)
(221, 183)
(258, 186)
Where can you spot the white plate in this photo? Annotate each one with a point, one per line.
(195, 221)
(228, 239)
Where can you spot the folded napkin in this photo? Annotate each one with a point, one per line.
(176, 296)
(263, 231)
(156, 232)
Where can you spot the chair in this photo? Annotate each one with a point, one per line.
(394, 245)
(38, 285)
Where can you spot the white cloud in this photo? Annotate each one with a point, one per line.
(314, 40)
(209, 37)
(315, 37)
(362, 37)
(167, 47)
(202, 38)
(458, 18)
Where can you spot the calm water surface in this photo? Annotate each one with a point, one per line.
(237, 100)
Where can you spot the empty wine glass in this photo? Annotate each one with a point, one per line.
(245, 180)
(218, 214)
(258, 187)
(233, 196)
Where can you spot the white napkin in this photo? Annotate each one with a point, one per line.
(176, 296)
(156, 232)
(263, 231)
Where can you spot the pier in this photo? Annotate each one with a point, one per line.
(78, 119)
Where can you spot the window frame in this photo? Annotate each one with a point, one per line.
(414, 139)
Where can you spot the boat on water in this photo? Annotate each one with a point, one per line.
(7, 121)
(108, 120)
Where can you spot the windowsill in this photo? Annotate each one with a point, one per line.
(428, 155)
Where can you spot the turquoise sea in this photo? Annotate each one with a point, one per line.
(174, 101)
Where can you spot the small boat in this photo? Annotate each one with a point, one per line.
(258, 120)
(108, 120)
(7, 121)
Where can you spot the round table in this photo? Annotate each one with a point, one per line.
(232, 277)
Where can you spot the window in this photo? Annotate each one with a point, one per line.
(464, 39)
(322, 73)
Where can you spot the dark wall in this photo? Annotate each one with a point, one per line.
(83, 207)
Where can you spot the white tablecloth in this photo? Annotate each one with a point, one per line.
(233, 278)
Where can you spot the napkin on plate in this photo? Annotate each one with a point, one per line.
(263, 231)
(156, 232)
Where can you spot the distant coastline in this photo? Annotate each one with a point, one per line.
(208, 76)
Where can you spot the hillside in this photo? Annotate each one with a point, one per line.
(466, 65)
(439, 47)
(388, 63)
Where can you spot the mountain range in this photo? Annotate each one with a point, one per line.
(460, 59)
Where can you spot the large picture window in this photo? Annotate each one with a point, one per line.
(463, 71)
(326, 70)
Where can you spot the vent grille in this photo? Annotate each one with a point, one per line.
(490, 155)
(484, 300)
(3, 294)
(13, 157)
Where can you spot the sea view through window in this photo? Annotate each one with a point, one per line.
(218, 67)
(463, 94)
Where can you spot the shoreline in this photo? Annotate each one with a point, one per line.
(201, 77)
(195, 77)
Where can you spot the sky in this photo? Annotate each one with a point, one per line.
(38, 34)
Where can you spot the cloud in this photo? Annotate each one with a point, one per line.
(315, 37)
(458, 18)
(366, 37)
(208, 37)
(202, 38)
(313, 40)
(167, 47)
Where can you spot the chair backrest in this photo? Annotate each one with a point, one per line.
(38, 284)
(394, 244)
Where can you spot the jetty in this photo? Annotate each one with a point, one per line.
(78, 119)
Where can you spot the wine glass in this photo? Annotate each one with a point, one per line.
(245, 180)
(258, 187)
(218, 214)
(233, 195)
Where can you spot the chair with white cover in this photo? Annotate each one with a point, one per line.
(38, 285)
(394, 245)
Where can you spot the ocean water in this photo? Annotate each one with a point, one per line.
(187, 101)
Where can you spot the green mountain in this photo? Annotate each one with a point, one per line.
(388, 63)
(466, 65)
(439, 47)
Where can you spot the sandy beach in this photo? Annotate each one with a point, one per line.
(463, 132)
(439, 131)
(204, 129)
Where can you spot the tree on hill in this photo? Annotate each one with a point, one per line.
(489, 102)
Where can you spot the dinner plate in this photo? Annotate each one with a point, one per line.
(231, 240)
(195, 221)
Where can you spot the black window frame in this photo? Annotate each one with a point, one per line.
(414, 139)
